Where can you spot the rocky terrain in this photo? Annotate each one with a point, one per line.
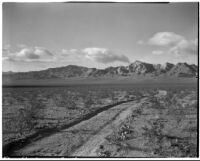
(148, 122)
(134, 69)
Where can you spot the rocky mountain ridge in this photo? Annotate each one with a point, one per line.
(134, 69)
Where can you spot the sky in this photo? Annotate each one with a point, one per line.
(38, 36)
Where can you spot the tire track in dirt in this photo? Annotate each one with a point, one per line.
(10, 148)
(90, 147)
(83, 138)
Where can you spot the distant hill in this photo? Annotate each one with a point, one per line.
(137, 69)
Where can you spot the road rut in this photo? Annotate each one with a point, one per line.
(82, 139)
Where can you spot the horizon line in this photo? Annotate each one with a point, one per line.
(97, 68)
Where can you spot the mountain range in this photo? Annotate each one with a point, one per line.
(137, 68)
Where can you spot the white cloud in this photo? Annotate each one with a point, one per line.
(31, 54)
(103, 55)
(63, 51)
(73, 50)
(184, 47)
(165, 39)
(66, 52)
(175, 44)
(93, 51)
(157, 52)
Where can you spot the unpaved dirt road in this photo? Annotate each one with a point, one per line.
(84, 138)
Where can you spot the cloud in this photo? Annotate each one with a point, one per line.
(175, 44)
(103, 55)
(64, 51)
(184, 47)
(39, 54)
(157, 52)
(165, 39)
(71, 52)
(70, 55)
(31, 54)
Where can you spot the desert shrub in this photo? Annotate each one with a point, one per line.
(170, 99)
(105, 94)
(67, 101)
(70, 103)
(89, 101)
(102, 152)
(113, 97)
(177, 147)
(26, 116)
(25, 120)
(183, 147)
(98, 101)
(165, 146)
(154, 133)
(156, 103)
(120, 133)
(136, 112)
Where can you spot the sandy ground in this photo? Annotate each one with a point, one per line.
(82, 139)
(89, 148)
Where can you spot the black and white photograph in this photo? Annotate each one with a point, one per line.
(100, 79)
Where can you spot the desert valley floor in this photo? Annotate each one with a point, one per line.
(126, 120)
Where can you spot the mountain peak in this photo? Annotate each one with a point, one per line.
(183, 70)
(140, 67)
(184, 63)
(134, 69)
(167, 63)
(167, 66)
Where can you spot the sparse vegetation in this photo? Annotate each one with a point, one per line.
(166, 124)
(158, 128)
